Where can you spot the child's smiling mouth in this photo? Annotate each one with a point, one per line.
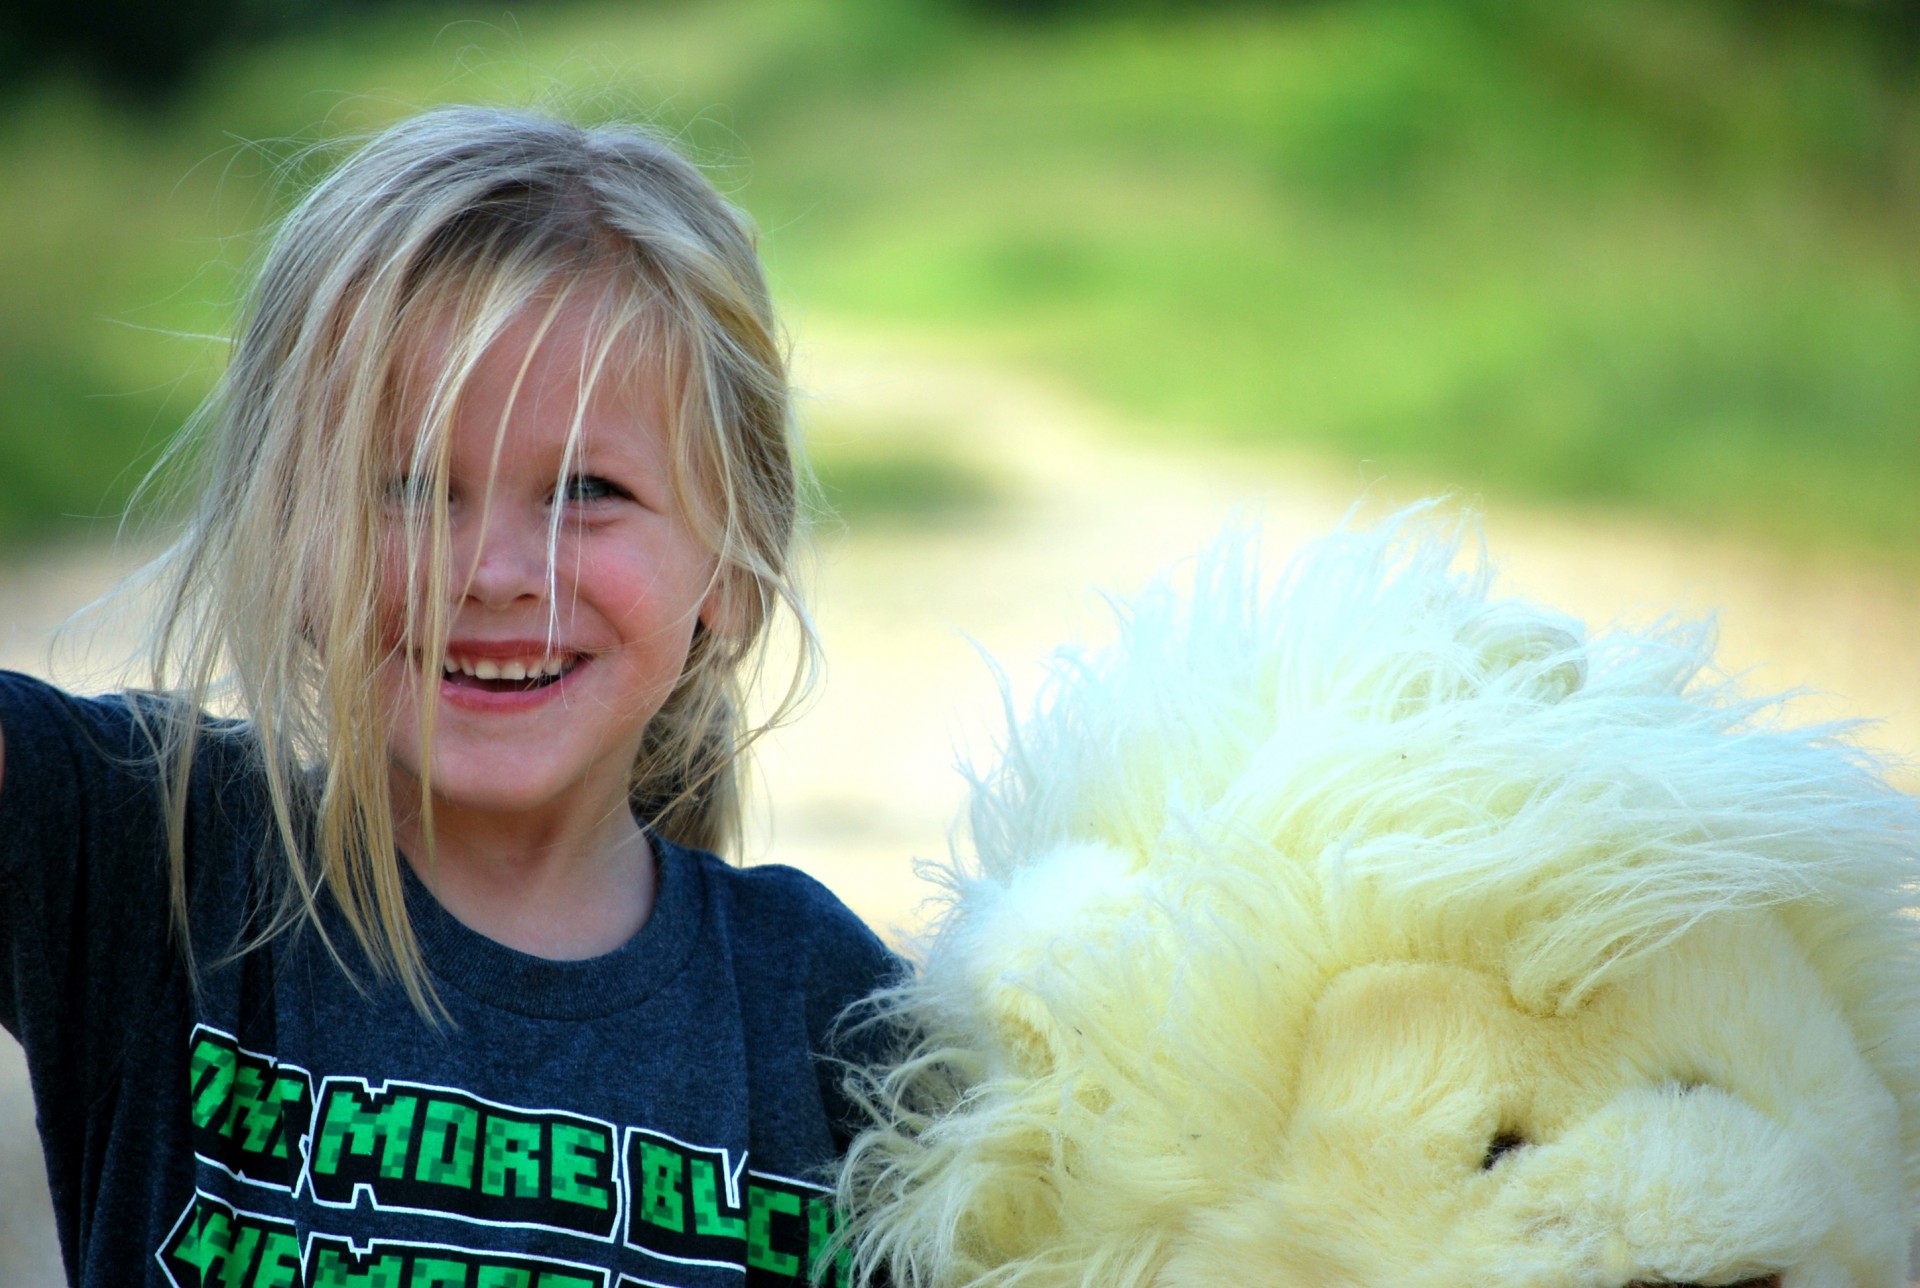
(493, 673)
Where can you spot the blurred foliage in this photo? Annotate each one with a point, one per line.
(1897, 21)
(139, 53)
(868, 477)
(1645, 253)
(130, 49)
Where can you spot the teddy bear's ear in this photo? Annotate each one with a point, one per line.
(1526, 650)
(1022, 945)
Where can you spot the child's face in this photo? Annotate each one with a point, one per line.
(529, 725)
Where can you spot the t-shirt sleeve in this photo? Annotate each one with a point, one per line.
(84, 922)
(848, 967)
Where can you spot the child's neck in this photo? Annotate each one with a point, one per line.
(579, 894)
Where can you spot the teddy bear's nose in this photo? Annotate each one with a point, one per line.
(1762, 1281)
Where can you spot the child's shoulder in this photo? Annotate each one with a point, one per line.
(33, 707)
(119, 733)
(797, 902)
(33, 703)
(784, 913)
(86, 777)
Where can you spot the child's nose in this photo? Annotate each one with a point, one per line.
(509, 561)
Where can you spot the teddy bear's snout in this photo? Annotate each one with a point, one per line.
(1695, 1190)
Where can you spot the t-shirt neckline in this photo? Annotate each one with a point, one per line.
(492, 973)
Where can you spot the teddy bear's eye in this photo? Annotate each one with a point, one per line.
(1500, 1146)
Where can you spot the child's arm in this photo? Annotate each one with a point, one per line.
(84, 887)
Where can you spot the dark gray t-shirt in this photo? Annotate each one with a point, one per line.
(657, 1116)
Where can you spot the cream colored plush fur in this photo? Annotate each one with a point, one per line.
(1368, 930)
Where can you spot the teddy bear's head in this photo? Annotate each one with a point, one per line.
(1371, 932)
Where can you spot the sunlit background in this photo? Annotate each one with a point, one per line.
(1660, 256)
(1068, 282)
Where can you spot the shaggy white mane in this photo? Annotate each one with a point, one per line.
(1258, 787)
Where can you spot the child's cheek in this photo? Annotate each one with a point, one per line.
(395, 559)
(397, 660)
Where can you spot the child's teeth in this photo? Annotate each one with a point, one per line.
(510, 669)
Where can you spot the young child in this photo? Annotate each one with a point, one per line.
(498, 506)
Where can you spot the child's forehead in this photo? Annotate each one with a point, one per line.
(596, 328)
(582, 340)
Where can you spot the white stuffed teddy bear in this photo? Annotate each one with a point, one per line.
(1368, 931)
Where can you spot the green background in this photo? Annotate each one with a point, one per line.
(1660, 258)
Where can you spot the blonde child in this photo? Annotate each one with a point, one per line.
(498, 507)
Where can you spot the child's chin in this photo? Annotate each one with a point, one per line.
(514, 791)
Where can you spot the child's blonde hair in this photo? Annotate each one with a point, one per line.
(433, 238)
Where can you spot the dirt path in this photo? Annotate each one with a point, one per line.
(865, 781)
(867, 777)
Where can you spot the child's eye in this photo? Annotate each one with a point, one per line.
(590, 487)
(408, 490)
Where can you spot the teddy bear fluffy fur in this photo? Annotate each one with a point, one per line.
(1367, 930)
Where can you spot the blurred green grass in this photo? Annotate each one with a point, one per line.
(1652, 256)
(871, 477)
